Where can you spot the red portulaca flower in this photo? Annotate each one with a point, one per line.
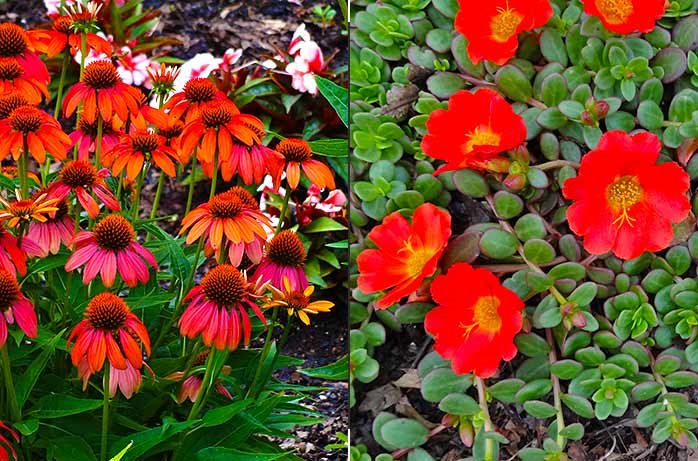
(492, 27)
(475, 129)
(15, 307)
(285, 258)
(406, 255)
(218, 308)
(626, 16)
(109, 331)
(623, 201)
(475, 321)
(111, 248)
(84, 179)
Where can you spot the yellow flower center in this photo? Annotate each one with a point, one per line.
(481, 136)
(416, 259)
(485, 317)
(615, 11)
(622, 194)
(504, 24)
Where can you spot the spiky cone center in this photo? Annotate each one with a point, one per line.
(244, 196)
(145, 142)
(172, 131)
(9, 290)
(26, 119)
(10, 171)
(257, 129)
(100, 75)
(79, 173)
(91, 129)
(295, 150)
(107, 312)
(62, 24)
(22, 209)
(62, 205)
(10, 69)
(10, 102)
(200, 359)
(199, 90)
(297, 301)
(114, 232)
(225, 205)
(224, 285)
(286, 249)
(216, 115)
(13, 40)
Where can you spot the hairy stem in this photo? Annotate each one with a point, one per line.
(105, 414)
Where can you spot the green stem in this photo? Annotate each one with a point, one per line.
(23, 163)
(15, 411)
(265, 349)
(214, 178)
(137, 199)
(105, 414)
(207, 383)
(284, 337)
(552, 358)
(98, 142)
(190, 197)
(120, 186)
(61, 82)
(156, 201)
(489, 427)
(83, 51)
(284, 209)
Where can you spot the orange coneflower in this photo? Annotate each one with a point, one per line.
(225, 215)
(41, 132)
(284, 259)
(66, 36)
(85, 137)
(27, 210)
(218, 308)
(109, 331)
(17, 43)
(83, 178)
(197, 93)
(13, 78)
(11, 171)
(11, 101)
(49, 234)
(15, 307)
(297, 302)
(101, 89)
(170, 127)
(111, 247)
(140, 145)
(298, 155)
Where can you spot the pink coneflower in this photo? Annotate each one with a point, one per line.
(12, 259)
(285, 257)
(109, 248)
(127, 380)
(254, 250)
(109, 331)
(47, 236)
(192, 385)
(218, 308)
(83, 178)
(14, 306)
(85, 137)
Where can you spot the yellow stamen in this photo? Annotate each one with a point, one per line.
(504, 24)
(416, 259)
(615, 11)
(622, 194)
(485, 317)
(482, 136)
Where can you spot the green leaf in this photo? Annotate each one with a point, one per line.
(323, 224)
(225, 454)
(498, 244)
(578, 404)
(531, 345)
(330, 147)
(539, 409)
(443, 381)
(459, 404)
(220, 415)
(337, 96)
(574, 431)
(337, 371)
(405, 433)
(506, 389)
(58, 406)
(26, 381)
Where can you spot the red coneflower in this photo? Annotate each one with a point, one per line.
(285, 258)
(28, 210)
(6, 444)
(109, 331)
(48, 235)
(226, 214)
(218, 127)
(101, 88)
(17, 43)
(66, 37)
(83, 178)
(297, 302)
(15, 307)
(11, 101)
(135, 148)
(298, 155)
(197, 93)
(42, 133)
(170, 127)
(85, 137)
(109, 248)
(13, 78)
(12, 258)
(217, 308)
(192, 385)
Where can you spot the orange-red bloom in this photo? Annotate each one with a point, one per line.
(85, 137)
(298, 155)
(6, 449)
(84, 179)
(623, 201)
(49, 235)
(492, 28)
(475, 129)
(15, 42)
(15, 307)
(626, 16)
(63, 36)
(196, 94)
(109, 331)
(13, 78)
(406, 255)
(170, 127)
(475, 321)
(42, 132)
(25, 211)
(101, 88)
(12, 258)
